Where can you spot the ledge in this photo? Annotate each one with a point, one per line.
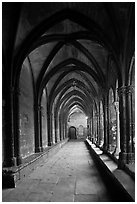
(120, 182)
(11, 176)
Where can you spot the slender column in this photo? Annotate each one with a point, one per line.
(133, 122)
(123, 126)
(118, 129)
(99, 126)
(92, 128)
(37, 126)
(60, 131)
(58, 128)
(97, 118)
(55, 124)
(65, 127)
(40, 108)
(108, 137)
(49, 128)
(108, 129)
(16, 94)
(131, 155)
(88, 127)
(9, 158)
(105, 109)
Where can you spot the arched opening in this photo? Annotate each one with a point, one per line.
(72, 133)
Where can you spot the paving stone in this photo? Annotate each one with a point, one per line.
(64, 190)
(38, 197)
(50, 179)
(68, 176)
(85, 186)
(86, 198)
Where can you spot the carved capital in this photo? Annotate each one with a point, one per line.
(125, 90)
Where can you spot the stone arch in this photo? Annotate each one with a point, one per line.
(72, 133)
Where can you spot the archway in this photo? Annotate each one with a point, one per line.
(72, 133)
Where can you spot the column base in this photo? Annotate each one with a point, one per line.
(105, 147)
(37, 149)
(8, 179)
(130, 158)
(49, 144)
(10, 162)
(41, 149)
(109, 148)
(19, 160)
(126, 158)
(122, 160)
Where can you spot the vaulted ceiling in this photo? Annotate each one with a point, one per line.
(69, 46)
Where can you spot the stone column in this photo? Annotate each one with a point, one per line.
(55, 124)
(40, 109)
(92, 128)
(126, 141)
(108, 128)
(88, 127)
(97, 118)
(37, 127)
(60, 128)
(118, 129)
(9, 158)
(99, 126)
(123, 126)
(49, 115)
(106, 132)
(130, 151)
(16, 119)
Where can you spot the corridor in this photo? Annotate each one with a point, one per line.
(68, 76)
(68, 176)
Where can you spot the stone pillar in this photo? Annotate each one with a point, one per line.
(123, 126)
(60, 128)
(55, 124)
(49, 128)
(37, 127)
(106, 129)
(118, 129)
(16, 119)
(126, 155)
(40, 109)
(97, 118)
(92, 128)
(9, 158)
(130, 151)
(88, 127)
(99, 126)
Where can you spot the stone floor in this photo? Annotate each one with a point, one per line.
(68, 176)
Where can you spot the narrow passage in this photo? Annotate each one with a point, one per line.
(68, 176)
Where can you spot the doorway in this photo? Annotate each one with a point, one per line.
(72, 133)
